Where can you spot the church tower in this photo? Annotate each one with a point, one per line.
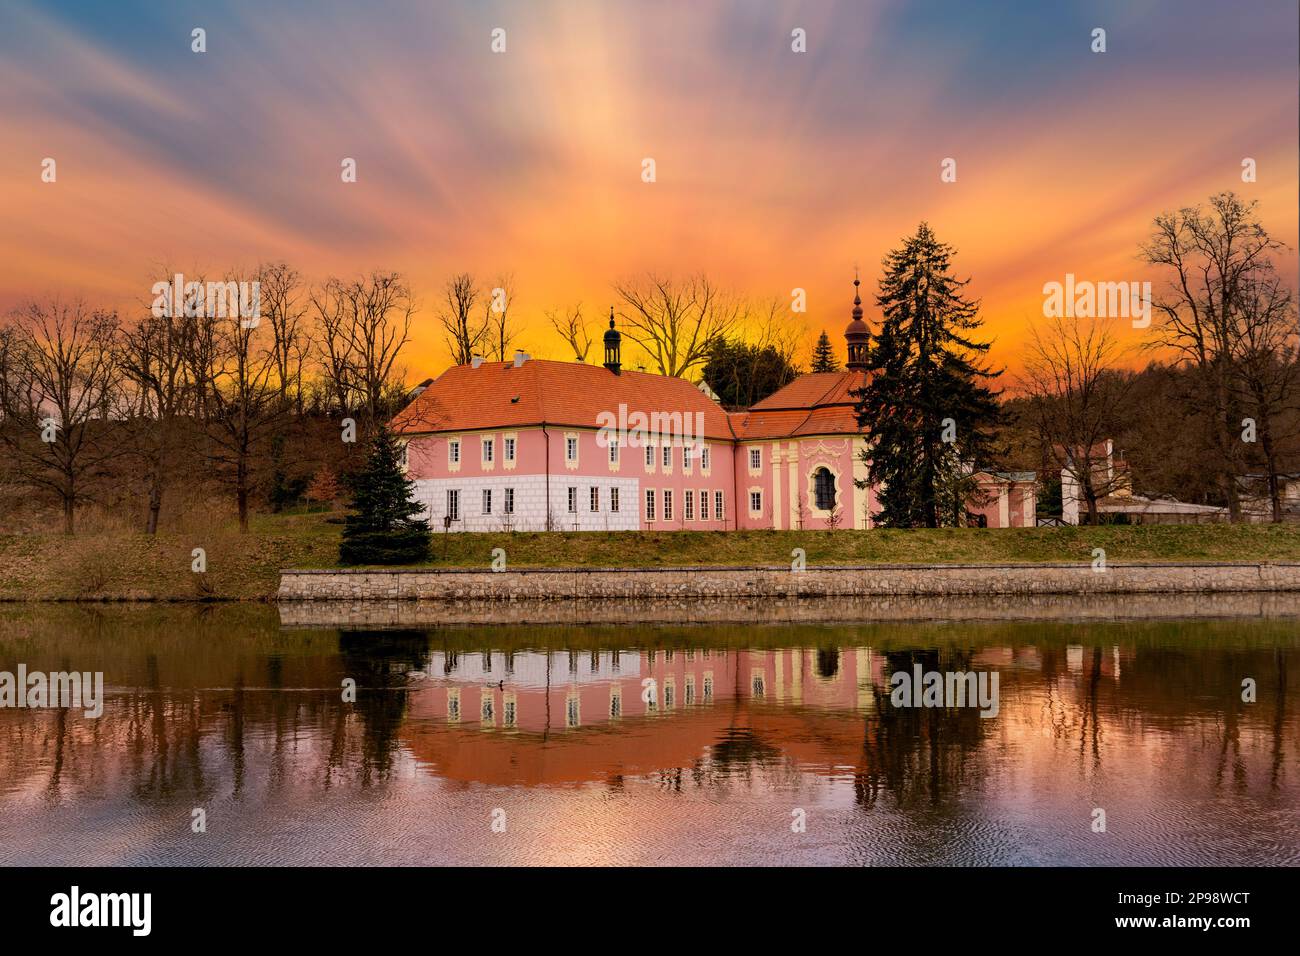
(857, 335)
(612, 343)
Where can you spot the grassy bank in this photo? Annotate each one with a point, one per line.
(120, 566)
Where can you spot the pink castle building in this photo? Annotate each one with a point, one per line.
(534, 445)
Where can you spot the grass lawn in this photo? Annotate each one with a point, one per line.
(121, 566)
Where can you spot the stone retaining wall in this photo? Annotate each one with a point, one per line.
(685, 584)
(372, 615)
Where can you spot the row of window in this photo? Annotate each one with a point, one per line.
(665, 497)
(489, 448)
(665, 453)
(573, 706)
(488, 453)
(652, 497)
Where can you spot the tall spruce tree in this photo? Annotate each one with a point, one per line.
(383, 524)
(823, 357)
(927, 413)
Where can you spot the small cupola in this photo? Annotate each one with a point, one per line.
(857, 335)
(612, 345)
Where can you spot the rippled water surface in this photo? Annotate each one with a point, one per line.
(706, 744)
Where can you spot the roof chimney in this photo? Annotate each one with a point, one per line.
(475, 361)
(521, 357)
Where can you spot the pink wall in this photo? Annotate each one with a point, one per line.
(729, 473)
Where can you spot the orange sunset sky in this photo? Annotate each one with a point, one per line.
(775, 169)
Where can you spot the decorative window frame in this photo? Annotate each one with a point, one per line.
(453, 462)
(749, 500)
(485, 443)
(810, 486)
(572, 463)
(749, 460)
(508, 464)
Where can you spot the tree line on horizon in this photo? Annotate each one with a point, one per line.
(123, 412)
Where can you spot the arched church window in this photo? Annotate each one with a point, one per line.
(824, 489)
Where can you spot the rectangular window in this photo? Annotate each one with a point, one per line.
(487, 501)
(511, 712)
(595, 498)
(613, 452)
(704, 504)
(489, 449)
(510, 501)
(689, 506)
(649, 504)
(717, 506)
(571, 449)
(573, 501)
(649, 456)
(704, 458)
(668, 504)
(453, 451)
(453, 504)
(755, 459)
(613, 499)
(686, 458)
(668, 456)
(510, 449)
(404, 455)
(755, 502)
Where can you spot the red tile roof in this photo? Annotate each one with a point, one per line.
(819, 403)
(498, 395)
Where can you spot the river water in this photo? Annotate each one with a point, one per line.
(228, 737)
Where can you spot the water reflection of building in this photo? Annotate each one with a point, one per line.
(463, 721)
(536, 691)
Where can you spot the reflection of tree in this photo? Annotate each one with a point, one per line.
(379, 661)
(1279, 716)
(919, 750)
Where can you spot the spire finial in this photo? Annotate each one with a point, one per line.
(611, 316)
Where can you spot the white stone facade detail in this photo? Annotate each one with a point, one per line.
(530, 512)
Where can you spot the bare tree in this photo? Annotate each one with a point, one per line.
(284, 308)
(61, 382)
(334, 355)
(1213, 255)
(363, 326)
(152, 355)
(379, 325)
(499, 336)
(1077, 393)
(769, 324)
(464, 334)
(246, 405)
(573, 329)
(1267, 379)
(675, 322)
